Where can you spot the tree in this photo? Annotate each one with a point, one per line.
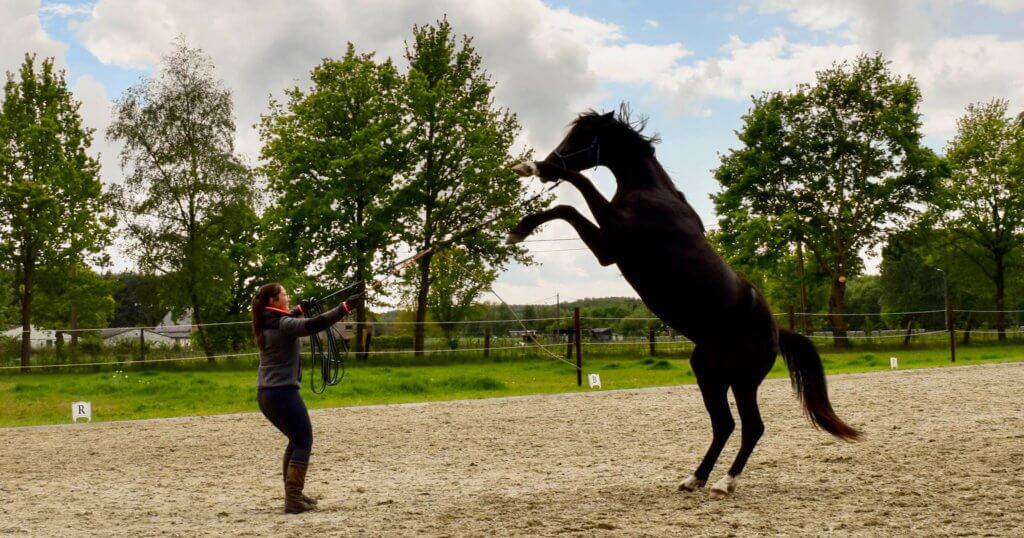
(136, 301)
(76, 297)
(979, 206)
(461, 153)
(52, 205)
(458, 280)
(181, 174)
(336, 154)
(831, 167)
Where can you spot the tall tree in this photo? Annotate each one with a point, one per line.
(462, 153)
(52, 204)
(182, 173)
(76, 297)
(979, 206)
(336, 155)
(831, 166)
(458, 281)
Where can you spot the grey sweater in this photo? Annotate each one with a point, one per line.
(280, 356)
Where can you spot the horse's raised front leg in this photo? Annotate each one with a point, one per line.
(599, 206)
(590, 234)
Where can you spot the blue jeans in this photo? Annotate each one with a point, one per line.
(285, 409)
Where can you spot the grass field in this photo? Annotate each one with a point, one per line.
(198, 389)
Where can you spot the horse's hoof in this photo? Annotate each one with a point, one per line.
(692, 483)
(525, 169)
(723, 488)
(514, 238)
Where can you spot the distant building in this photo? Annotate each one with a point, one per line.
(603, 334)
(39, 338)
(167, 333)
(527, 335)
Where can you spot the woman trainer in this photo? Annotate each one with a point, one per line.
(277, 330)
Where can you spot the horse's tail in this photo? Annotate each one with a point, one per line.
(808, 378)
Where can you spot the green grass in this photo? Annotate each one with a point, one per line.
(45, 398)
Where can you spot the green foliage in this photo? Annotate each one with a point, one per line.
(78, 292)
(832, 165)
(41, 398)
(336, 154)
(461, 150)
(979, 206)
(52, 206)
(187, 197)
(457, 281)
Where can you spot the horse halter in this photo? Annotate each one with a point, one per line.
(582, 159)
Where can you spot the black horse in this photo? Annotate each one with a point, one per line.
(650, 231)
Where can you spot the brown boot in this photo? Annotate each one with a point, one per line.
(284, 476)
(294, 481)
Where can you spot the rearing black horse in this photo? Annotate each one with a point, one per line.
(650, 231)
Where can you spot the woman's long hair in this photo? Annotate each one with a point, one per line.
(259, 302)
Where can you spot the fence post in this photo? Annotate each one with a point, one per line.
(577, 333)
(650, 338)
(142, 344)
(952, 329)
(487, 341)
(792, 319)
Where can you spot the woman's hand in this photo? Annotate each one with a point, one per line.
(348, 305)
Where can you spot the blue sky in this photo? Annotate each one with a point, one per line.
(691, 66)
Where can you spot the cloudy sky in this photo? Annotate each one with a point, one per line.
(690, 65)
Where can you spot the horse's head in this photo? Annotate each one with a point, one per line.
(596, 139)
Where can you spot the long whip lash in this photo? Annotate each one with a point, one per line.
(328, 363)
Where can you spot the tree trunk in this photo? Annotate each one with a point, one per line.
(1000, 282)
(74, 333)
(74, 311)
(362, 273)
(421, 305)
(197, 320)
(60, 347)
(806, 321)
(836, 309)
(909, 333)
(967, 330)
(26, 314)
(360, 330)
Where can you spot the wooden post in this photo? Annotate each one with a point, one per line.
(487, 341)
(950, 326)
(577, 333)
(369, 339)
(792, 319)
(650, 338)
(142, 344)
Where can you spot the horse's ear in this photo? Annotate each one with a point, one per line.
(608, 115)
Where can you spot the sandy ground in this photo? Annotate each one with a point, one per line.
(944, 456)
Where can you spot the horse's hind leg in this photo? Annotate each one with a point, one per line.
(752, 429)
(714, 390)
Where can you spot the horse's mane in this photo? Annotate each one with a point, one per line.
(626, 127)
(631, 132)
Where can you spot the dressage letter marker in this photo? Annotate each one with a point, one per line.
(893, 363)
(595, 380)
(81, 410)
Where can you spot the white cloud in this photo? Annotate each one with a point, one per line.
(96, 114)
(537, 56)
(22, 33)
(64, 10)
(1006, 6)
(551, 63)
